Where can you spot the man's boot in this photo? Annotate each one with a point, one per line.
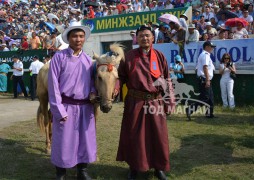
(60, 173)
(82, 173)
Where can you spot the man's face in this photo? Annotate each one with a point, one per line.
(145, 38)
(76, 40)
(245, 14)
(209, 49)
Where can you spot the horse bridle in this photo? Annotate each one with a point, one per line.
(109, 69)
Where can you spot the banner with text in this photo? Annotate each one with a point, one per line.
(241, 52)
(128, 21)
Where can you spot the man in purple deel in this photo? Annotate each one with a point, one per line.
(70, 86)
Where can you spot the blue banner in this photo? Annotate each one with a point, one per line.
(241, 51)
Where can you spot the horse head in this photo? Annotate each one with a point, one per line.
(107, 75)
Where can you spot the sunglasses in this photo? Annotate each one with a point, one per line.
(226, 58)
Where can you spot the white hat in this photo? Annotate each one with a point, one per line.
(208, 23)
(184, 16)
(75, 25)
(191, 26)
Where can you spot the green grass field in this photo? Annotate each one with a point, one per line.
(221, 148)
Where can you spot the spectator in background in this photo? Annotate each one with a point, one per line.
(34, 69)
(154, 6)
(156, 30)
(161, 37)
(178, 3)
(177, 69)
(98, 13)
(133, 36)
(238, 11)
(195, 16)
(204, 37)
(226, 82)
(230, 35)
(249, 19)
(47, 59)
(183, 20)
(24, 43)
(17, 77)
(169, 5)
(222, 20)
(160, 5)
(205, 72)
(129, 8)
(240, 32)
(201, 25)
(114, 10)
(179, 36)
(90, 14)
(137, 6)
(221, 35)
(193, 35)
(210, 30)
(195, 4)
(4, 69)
(250, 9)
(213, 22)
(167, 38)
(3, 47)
(14, 47)
(35, 41)
(105, 12)
(145, 8)
(208, 14)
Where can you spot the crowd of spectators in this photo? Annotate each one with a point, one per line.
(37, 24)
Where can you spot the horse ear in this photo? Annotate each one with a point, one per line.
(95, 56)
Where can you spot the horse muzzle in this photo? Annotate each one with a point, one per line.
(106, 108)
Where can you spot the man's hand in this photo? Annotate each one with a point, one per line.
(64, 119)
(92, 97)
(207, 83)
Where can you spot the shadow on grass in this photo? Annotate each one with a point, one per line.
(207, 149)
(226, 119)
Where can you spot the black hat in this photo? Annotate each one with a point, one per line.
(35, 57)
(208, 43)
(14, 56)
(142, 28)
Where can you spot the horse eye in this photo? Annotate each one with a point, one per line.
(116, 54)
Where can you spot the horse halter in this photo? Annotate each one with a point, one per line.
(109, 66)
(109, 69)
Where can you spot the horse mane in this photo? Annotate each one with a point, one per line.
(119, 48)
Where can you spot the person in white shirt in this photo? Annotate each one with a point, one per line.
(17, 77)
(248, 18)
(208, 14)
(145, 7)
(34, 69)
(47, 59)
(169, 5)
(240, 32)
(193, 35)
(205, 70)
(156, 30)
(129, 8)
(137, 6)
(3, 47)
(226, 82)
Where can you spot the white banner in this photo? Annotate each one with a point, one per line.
(241, 51)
